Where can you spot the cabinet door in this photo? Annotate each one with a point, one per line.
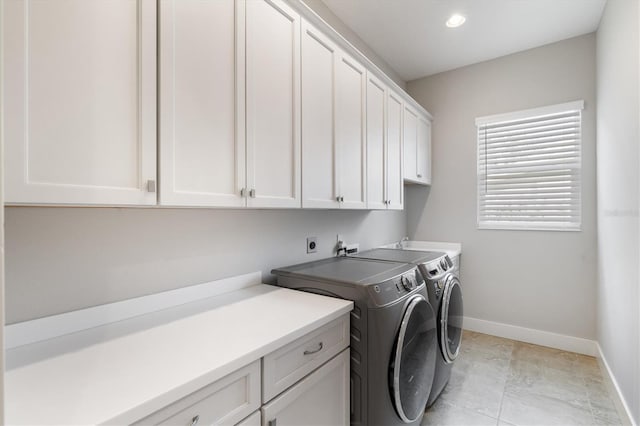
(319, 183)
(376, 177)
(410, 136)
(423, 151)
(202, 151)
(79, 101)
(322, 398)
(350, 132)
(395, 183)
(253, 420)
(273, 104)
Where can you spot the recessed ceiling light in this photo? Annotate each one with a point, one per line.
(455, 20)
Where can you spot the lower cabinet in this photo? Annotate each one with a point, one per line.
(322, 398)
(305, 382)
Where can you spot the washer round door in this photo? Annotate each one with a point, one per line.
(451, 319)
(414, 360)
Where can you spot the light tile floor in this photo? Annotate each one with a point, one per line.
(503, 382)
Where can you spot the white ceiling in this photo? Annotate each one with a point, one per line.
(411, 36)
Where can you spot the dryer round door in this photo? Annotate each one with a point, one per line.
(414, 360)
(451, 319)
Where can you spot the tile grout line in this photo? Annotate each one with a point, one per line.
(593, 414)
(504, 389)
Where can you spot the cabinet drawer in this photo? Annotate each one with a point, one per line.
(285, 366)
(227, 401)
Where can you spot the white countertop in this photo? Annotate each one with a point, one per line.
(121, 372)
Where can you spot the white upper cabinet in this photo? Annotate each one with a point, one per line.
(376, 141)
(417, 147)
(394, 163)
(409, 140)
(202, 146)
(350, 134)
(272, 104)
(385, 187)
(423, 151)
(319, 172)
(333, 126)
(255, 108)
(79, 101)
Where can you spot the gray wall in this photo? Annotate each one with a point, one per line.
(62, 259)
(332, 19)
(618, 195)
(535, 279)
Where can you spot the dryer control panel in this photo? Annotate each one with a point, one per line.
(396, 288)
(434, 270)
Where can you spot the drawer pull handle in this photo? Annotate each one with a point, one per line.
(195, 420)
(273, 422)
(314, 351)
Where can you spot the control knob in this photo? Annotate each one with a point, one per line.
(408, 283)
(444, 264)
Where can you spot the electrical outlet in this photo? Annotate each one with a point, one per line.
(312, 244)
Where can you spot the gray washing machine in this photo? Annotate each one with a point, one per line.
(445, 295)
(393, 333)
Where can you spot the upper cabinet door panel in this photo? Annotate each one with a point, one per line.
(395, 186)
(202, 155)
(273, 104)
(376, 178)
(423, 151)
(318, 142)
(410, 134)
(79, 101)
(350, 132)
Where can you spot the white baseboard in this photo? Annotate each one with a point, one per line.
(530, 335)
(614, 390)
(40, 329)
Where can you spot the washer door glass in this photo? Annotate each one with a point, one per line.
(451, 319)
(413, 365)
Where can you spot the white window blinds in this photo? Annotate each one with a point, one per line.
(529, 169)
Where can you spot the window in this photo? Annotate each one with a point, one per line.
(529, 169)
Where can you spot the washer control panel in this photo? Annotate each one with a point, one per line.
(395, 288)
(437, 267)
(435, 272)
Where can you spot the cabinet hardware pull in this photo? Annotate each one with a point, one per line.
(151, 186)
(338, 198)
(273, 422)
(252, 193)
(419, 175)
(313, 351)
(195, 420)
(342, 199)
(243, 192)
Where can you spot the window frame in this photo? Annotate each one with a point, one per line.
(533, 113)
